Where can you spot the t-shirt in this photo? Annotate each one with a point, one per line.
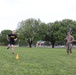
(12, 37)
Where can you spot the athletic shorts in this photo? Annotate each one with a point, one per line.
(12, 42)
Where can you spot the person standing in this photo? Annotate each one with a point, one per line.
(69, 39)
(11, 38)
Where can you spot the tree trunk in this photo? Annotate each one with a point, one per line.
(52, 45)
(30, 43)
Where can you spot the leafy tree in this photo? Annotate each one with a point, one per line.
(57, 31)
(69, 25)
(53, 33)
(30, 30)
(3, 39)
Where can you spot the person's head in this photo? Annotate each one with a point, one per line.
(68, 33)
(13, 32)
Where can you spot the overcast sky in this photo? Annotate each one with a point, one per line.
(14, 11)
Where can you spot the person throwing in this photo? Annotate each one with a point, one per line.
(11, 38)
(69, 39)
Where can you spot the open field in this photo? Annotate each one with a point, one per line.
(37, 61)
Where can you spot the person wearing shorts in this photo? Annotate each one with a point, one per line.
(11, 38)
(69, 38)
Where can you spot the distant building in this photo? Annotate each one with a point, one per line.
(40, 43)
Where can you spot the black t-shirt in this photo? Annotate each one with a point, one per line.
(12, 37)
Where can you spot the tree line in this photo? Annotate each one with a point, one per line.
(32, 30)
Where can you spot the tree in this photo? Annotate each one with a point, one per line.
(57, 31)
(69, 25)
(53, 33)
(3, 39)
(30, 30)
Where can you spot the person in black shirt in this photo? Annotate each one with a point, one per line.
(11, 38)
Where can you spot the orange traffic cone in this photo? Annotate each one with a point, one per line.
(17, 57)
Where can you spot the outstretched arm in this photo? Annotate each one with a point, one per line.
(74, 41)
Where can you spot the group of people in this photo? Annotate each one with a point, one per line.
(69, 40)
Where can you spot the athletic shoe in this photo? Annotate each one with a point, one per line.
(12, 52)
(7, 47)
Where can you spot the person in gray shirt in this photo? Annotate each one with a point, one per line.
(69, 39)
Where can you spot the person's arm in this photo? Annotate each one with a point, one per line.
(65, 39)
(73, 40)
(15, 38)
(7, 37)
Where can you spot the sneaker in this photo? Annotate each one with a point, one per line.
(70, 54)
(12, 52)
(7, 47)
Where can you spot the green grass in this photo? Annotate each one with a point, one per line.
(37, 61)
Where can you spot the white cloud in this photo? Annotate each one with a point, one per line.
(14, 11)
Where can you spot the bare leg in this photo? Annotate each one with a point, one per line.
(12, 47)
(8, 46)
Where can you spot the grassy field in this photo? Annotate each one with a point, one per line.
(37, 61)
